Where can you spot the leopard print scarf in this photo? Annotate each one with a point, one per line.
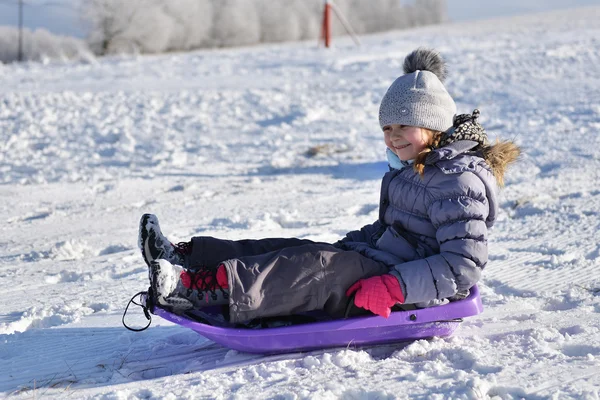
(465, 127)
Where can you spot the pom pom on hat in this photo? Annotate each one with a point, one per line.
(423, 59)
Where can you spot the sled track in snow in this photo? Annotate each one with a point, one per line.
(103, 356)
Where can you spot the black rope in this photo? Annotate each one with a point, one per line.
(146, 312)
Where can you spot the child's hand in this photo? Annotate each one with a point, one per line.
(377, 294)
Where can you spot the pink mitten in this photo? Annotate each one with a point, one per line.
(377, 294)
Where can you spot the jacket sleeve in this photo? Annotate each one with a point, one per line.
(366, 234)
(461, 232)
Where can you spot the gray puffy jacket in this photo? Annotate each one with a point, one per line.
(432, 231)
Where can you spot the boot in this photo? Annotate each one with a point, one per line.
(179, 290)
(206, 286)
(155, 245)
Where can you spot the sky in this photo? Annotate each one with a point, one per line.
(58, 16)
(61, 16)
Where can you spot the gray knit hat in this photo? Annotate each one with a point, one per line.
(419, 97)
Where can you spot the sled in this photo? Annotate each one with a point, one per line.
(438, 321)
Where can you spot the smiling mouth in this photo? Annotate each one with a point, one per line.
(402, 147)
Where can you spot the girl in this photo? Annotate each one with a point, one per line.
(429, 243)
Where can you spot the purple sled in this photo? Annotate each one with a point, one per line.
(358, 331)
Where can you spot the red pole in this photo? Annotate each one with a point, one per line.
(327, 24)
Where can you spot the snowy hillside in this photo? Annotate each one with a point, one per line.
(218, 143)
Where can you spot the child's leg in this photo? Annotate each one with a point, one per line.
(296, 279)
(209, 251)
(203, 250)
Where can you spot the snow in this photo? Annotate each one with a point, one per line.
(283, 140)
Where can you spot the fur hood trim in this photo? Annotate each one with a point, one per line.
(499, 156)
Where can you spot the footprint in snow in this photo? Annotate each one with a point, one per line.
(33, 216)
(365, 209)
(112, 249)
(580, 350)
(561, 305)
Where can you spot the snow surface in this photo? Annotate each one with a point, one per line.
(284, 141)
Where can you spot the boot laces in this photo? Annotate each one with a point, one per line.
(204, 280)
(183, 248)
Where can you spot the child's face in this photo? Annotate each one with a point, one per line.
(406, 141)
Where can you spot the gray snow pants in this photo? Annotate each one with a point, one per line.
(278, 277)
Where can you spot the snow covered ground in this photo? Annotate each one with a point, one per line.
(217, 143)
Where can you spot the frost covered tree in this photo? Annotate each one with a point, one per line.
(236, 22)
(277, 22)
(190, 23)
(109, 20)
(370, 16)
(41, 45)
(430, 12)
(148, 26)
(153, 26)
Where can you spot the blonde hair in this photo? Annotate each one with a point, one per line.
(432, 143)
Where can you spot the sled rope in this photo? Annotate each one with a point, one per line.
(146, 312)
